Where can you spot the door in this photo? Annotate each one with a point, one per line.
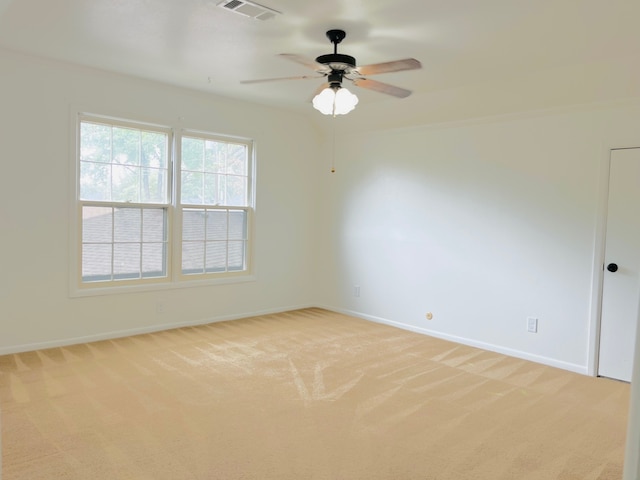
(621, 284)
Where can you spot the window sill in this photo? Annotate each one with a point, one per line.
(76, 292)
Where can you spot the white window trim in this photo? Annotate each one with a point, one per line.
(175, 279)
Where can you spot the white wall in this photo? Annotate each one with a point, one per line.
(35, 98)
(483, 224)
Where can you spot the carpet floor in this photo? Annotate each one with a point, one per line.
(308, 394)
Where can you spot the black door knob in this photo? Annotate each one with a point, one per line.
(612, 267)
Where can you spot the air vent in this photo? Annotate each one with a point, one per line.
(249, 9)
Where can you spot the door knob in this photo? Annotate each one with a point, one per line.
(612, 267)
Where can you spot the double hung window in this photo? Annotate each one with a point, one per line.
(157, 205)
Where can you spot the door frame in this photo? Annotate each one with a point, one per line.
(597, 269)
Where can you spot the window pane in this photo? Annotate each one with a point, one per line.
(95, 181)
(126, 260)
(95, 143)
(236, 191)
(154, 225)
(237, 225)
(191, 188)
(154, 150)
(216, 225)
(192, 257)
(214, 160)
(216, 256)
(96, 262)
(97, 224)
(120, 229)
(123, 164)
(125, 186)
(237, 159)
(126, 146)
(211, 190)
(192, 154)
(127, 225)
(153, 185)
(193, 225)
(236, 256)
(153, 260)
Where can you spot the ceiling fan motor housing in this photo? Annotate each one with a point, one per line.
(335, 79)
(335, 60)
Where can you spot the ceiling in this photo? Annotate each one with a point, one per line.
(200, 45)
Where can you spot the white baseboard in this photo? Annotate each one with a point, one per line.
(582, 369)
(63, 342)
(552, 362)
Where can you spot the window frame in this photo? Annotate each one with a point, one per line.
(180, 207)
(173, 207)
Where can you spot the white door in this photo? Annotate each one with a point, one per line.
(621, 284)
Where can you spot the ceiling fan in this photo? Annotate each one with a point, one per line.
(335, 67)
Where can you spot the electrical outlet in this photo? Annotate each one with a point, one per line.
(356, 290)
(532, 325)
(159, 307)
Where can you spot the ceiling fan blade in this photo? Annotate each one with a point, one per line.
(307, 62)
(265, 80)
(395, 66)
(381, 87)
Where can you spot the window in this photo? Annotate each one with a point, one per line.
(215, 205)
(145, 218)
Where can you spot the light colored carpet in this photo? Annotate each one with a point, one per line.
(308, 394)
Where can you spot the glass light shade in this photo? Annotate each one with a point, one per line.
(335, 101)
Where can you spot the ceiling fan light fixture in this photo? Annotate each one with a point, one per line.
(335, 101)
